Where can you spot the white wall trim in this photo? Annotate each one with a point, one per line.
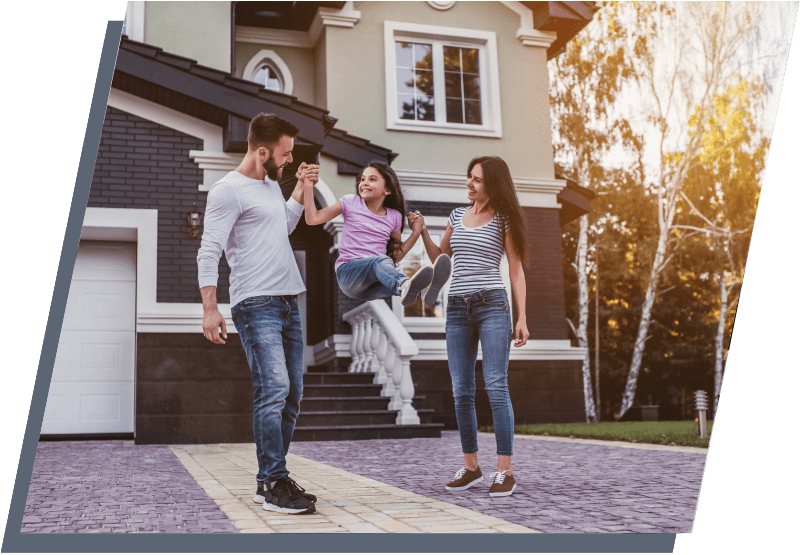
(338, 346)
(451, 187)
(141, 225)
(275, 37)
(527, 34)
(440, 5)
(490, 74)
(345, 18)
(272, 58)
(134, 21)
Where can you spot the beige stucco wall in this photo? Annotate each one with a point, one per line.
(356, 89)
(301, 62)
(198, 30)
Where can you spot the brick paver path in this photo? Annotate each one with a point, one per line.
(112, 486)
(562, 486)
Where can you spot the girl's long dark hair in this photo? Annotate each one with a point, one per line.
(394, 200)
(503, 198)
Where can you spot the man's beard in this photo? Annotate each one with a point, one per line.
(273, 170)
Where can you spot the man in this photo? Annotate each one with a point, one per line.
(247, 217)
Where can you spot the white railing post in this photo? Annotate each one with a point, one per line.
(382, 345)
(407, 414)
(366, 365)
(380, 370)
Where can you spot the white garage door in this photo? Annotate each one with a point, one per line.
(92, 389)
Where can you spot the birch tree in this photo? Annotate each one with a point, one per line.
(585, 82)
(725, 183)
(701, 56)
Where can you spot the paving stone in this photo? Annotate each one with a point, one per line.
(116, 487)
(562, 486)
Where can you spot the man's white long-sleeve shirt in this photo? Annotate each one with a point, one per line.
(251, 222)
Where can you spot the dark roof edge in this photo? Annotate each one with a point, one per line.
(336, 143)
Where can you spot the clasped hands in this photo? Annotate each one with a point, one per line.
(308, 174)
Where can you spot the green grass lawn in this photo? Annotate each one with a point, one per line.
(663, 433)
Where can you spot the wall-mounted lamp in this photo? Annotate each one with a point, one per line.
(194, 217)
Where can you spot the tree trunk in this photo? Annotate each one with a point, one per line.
(718, 341)
(583, 318)
(644, 321)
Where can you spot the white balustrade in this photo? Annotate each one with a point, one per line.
(381, 344)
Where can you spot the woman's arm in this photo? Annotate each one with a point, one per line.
(517, 275)
(314, 216)
(401, 251)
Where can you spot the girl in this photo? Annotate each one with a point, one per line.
(371, 240)
(478, 310)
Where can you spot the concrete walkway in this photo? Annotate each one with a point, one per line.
(364, 486)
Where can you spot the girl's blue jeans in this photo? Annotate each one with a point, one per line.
(483, 316)
(368, 279)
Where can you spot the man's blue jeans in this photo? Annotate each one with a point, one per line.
(368, 279)
(481, 316)
(272, 337)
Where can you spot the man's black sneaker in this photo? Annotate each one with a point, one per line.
(285, 497)
(261, 495)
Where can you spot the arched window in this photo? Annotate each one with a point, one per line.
(269, 78)
(268, 70)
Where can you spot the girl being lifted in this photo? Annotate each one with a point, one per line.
(371, 242)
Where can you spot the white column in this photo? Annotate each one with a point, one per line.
(407, 414)
(366, 365)
(380, 369)
(391, 362)
(396, 402)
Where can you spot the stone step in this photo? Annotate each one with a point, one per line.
(362, 432)
(314, 378)
(341, 390)
(355, 417)
(340, 403)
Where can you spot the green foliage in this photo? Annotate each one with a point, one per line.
(661, 433)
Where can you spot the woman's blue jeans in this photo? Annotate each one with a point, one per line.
(483, 316)
(371, 278)
(272, 337)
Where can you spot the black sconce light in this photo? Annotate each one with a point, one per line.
(194, 217)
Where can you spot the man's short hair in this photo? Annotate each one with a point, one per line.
(267, 129)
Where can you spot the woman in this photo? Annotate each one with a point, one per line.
(478, 310)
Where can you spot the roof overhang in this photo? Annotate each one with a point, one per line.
(217, 97)
(575, 202)
(290, 16)
(566, 19)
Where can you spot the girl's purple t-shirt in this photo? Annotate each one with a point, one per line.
(364, 234)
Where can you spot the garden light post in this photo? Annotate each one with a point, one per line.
(701, 405)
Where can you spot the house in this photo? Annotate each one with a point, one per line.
(363, 81)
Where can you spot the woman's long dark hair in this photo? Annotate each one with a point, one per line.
(503, 198)
(394, 200)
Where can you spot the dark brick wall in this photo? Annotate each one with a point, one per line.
(544, 296)
(541, 391)
(141, 164)
(432, 208)
(189, 390)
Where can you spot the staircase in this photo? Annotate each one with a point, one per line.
(340, 406)
(375, 398)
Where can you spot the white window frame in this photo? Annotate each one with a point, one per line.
(438, 36)
(134, 21)
(270, 58)
(425, 324)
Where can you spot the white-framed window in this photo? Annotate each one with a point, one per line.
(269, 78)
(413, 261)
(441, 80)
(270, 71)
